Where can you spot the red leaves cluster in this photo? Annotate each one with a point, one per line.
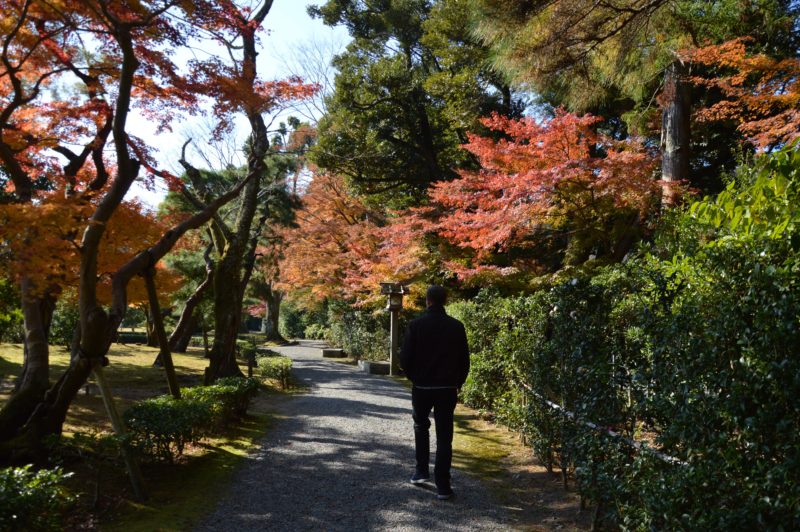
(538, 178)
(761, 94)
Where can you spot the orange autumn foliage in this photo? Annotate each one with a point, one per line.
(334, 234)
(42, 242)
(760, 93)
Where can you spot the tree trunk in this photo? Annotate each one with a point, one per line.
(227, 315)
(180, 337)
(228, 289)
(150, 327)
(181, 343)
(25, 443)
(269, 325)
(164, 356)
(34, 380)
(675, 131)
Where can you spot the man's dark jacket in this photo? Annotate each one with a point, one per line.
(435, 351)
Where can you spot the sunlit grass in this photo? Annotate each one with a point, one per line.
(178, 494)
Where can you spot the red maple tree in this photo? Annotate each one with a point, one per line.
(760, 93)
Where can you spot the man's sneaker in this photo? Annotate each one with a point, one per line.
(420, 478)
(444, 493)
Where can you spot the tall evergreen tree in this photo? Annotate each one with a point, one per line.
(410, 85)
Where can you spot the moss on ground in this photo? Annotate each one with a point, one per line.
(179, 494)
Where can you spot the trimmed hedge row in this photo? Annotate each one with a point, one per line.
(161, 427)
(692, 349)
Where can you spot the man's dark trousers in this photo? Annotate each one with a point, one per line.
(443, 403)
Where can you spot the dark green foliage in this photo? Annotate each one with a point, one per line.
(294, 319)
(292, 323)
(362, 334)
(246, 349)
(409, 87)
(33, 500)
(694, 348)
(65, 320)
(162, 427)
(10, 313)
(132, 338)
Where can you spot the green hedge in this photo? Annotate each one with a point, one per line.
(131, 338)
(316, 331)
(362, 334)
(33, 500)
(693, 347)
(161, 427)
(276, 367)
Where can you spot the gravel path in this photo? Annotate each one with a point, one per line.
(339, 458)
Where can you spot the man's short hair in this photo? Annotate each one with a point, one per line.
(436, 295)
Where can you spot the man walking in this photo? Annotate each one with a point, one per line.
(435, 358)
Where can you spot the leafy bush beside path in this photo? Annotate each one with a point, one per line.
(692, 348)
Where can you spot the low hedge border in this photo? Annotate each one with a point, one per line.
(161, 427)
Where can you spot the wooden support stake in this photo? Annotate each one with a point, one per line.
(161, 334)
(137, 482)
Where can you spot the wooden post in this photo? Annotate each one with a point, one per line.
(163, 341)
(131, 463)
(394, 358)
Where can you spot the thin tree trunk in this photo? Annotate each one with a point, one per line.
(229, 275)
(149, 326)
(34, 380)
(179, 339)
(675, 129)
(182, 342)
(273, 300)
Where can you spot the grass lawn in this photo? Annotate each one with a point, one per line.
(178, 494)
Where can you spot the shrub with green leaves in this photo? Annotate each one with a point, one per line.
(316, 331)
(276, 367)
(228, 398)
(33, 500)
(246, 348)
(65, 320)
(362, 334)
(161, 427)
(692, 347)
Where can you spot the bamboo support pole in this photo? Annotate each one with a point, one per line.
(163, 341)
(132, 465)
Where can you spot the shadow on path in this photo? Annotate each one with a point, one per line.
(339, 458)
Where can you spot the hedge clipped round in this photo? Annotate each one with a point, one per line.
(33, 500)
(227, 399)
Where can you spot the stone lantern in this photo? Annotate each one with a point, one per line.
(394, 303)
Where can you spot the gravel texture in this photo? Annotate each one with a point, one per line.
(339, 458)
